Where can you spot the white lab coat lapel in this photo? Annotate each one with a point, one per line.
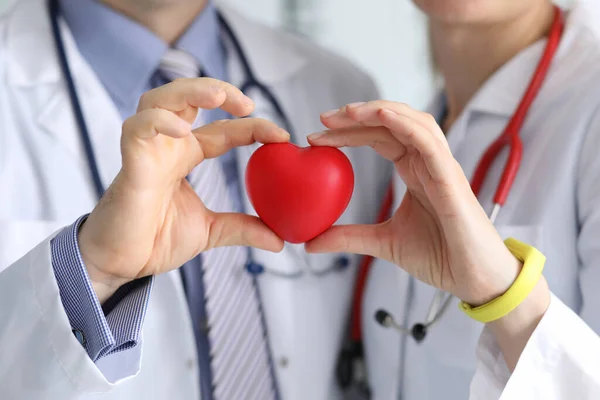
(56, 115)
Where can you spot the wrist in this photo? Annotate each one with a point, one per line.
(104, 284)
(503, 274)
(512, 332)
(516, 300)
(104, 288)
(531, 309)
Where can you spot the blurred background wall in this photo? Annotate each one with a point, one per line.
(387, 38)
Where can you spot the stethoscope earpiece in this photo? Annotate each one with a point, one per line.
(418, 332)
(385, 319)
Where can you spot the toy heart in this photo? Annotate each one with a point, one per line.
(299, 192)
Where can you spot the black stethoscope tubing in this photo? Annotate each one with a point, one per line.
(54, 11)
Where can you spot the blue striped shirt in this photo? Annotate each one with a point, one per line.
(102, 330)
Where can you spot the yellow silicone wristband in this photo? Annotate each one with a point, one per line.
(533, 264)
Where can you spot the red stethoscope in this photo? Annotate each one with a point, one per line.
(352, 352)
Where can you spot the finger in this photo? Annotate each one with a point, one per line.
(379, 138)
(336, 119)
(232, 229)
(219, 137)
(372, 240)
(206, 93)
(434, 153)
(368, 115)
(149, 123)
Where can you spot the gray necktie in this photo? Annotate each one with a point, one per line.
(239, 350)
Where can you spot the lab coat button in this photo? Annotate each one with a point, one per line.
(283, 362)
(190, 363)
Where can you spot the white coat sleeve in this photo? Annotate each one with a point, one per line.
(588, 210)
(40, 358)
(562, 358)
(560, 362)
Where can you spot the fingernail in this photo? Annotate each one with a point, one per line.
(315, 136)
(285, 133)
(329, 114)
(388, 112)
(357, 104)
(248, 101)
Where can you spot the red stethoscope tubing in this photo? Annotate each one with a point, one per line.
(509, 138)
(363, 270)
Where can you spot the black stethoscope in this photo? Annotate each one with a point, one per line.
(250, 83)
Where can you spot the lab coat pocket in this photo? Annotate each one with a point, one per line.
(321, 264)
(287, 263)
(294, 262)
(17, 237)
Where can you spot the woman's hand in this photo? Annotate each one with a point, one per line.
(151, 220)
(439, 234)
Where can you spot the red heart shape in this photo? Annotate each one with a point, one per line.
(299, 192)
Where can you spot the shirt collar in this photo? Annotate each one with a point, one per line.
(124, 54)
(202, 40)
(501, 93)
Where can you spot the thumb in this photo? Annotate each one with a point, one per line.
(233, 229)
(372, 240)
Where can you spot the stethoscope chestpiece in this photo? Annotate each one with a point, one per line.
(254, 268)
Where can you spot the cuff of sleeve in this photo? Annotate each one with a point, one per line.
(126, 318)
(562, 346)
(552, 351)
(101, 335)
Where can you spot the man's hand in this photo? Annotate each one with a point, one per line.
(151, 220)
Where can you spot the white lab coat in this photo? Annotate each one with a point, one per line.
(45, 185)
(561, 361)
(554, 205)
